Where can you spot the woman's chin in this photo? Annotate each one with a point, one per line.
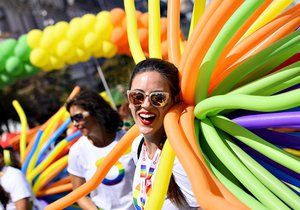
(145, 130)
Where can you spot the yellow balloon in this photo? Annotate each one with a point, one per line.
(162, 178)
(269, 14)
(65, 49)
(88, 21)
(154, 30)
(103, 15)
(90, 41)
(60, 30)
(47, 67)
(74, 32)
(38, 57)
(72, 60)
(104, 27)
(133, 37)
(109, 49)
(82, 55)
(75, 22)
(98, 52)
(198, 10)
(48, 38)
(24, 128)
(56, 63)
(34, 37)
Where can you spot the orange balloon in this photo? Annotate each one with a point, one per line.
(206, 198)
(144, 20)
(173, 28)
(163, 28)
(55, 190)
(116, 16)
(164, 49)
(119, 36)
(205, 33)
(143, 37)
(99, 175)
(124, 49)
(259, 40)
(124, 24)
(237, 37)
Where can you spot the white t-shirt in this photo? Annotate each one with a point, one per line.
(115, 190)
(15, 184)
(179, 174)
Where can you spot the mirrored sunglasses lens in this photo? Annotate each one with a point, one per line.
(158, 99)
(136, 98)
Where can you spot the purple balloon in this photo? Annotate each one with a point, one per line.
(270, 120)
(261, 158)
(280, 139)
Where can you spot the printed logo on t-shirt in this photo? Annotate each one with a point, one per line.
(115, 175)
(139, 201)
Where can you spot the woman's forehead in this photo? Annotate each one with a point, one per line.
(149, 80)
(76, 108)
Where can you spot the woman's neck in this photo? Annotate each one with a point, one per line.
(102, 139)
(153, 142)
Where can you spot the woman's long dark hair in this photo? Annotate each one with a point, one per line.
(92, 102)
(171, 75)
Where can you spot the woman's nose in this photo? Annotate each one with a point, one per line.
(75, 123)
(146, 102)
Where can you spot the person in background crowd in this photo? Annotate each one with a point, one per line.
(15, 191)
(100, 127)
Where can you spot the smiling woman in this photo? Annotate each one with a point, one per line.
(154, 89)
(99, 125)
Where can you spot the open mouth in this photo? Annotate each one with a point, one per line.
(146, 118)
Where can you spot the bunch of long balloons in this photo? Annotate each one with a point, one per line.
(42, 163)
(241, 60)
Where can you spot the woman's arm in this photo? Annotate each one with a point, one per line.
(23, 204)
(84, 202)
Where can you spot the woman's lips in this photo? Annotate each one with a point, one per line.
(146, 118)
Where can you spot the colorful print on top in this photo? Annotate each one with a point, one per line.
(115, 175)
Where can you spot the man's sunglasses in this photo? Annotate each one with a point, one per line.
(156, 98)
(79, 117)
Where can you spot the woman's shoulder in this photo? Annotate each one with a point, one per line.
(11, 171)
(83, 140)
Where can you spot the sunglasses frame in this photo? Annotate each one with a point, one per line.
(84, 115)
(148, 95)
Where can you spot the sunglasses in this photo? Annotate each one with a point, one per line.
(156, 98)
(79, 117)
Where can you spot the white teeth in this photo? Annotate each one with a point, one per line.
(147, 115)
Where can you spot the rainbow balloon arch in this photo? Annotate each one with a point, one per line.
(237, 125)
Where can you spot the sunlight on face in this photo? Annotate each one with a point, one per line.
(148, 118)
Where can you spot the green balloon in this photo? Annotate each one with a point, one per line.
(238, 169)
(30, 70)
(13, 66)
(22, 51)
(8, 46)
(23, 38)
(3, 58)
(6, 79)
